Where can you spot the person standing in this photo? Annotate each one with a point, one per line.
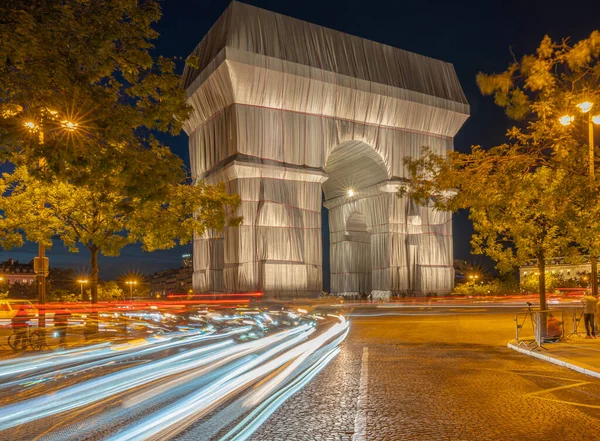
(590, 304)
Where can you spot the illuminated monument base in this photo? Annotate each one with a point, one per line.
(286, 111)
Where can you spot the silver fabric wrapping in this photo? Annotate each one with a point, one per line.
(285, 111)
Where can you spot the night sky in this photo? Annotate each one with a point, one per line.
(474, 36)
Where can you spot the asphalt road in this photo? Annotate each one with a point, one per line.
(438, 374)
(410, 373)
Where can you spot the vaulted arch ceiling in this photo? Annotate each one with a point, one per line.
(353, 165)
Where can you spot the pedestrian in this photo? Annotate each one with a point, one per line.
(61, 324)
(553, 328)
(590, 304)
(19, 325)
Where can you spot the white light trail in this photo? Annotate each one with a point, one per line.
(183, 387)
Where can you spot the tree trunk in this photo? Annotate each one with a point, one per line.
(94, 274)
(542, 281)
(91, 324)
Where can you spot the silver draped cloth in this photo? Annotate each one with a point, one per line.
(286, 111)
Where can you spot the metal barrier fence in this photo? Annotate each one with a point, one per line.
(534, 328)
(574, 322)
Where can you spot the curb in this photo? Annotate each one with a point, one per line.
(559, 362)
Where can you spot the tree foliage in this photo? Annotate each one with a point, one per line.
(110, 292)
(81, 97)
(106, 221)
(531, 197)
(530, 283)
(87, 63)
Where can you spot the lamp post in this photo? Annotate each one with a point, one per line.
(586, 107)
(131, 283)
(81, 283)
(41, 263)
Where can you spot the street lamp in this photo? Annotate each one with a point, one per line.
(81, 283)
(41, 267)
(131, 283)
(586, 107)
(69, 126)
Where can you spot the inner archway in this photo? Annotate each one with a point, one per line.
(360, 264)
(354, 173)
(352, 166)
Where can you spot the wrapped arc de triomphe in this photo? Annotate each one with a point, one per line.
(286, 111)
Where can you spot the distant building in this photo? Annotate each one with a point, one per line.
(12, 271)
(557, 266)
(173, 281)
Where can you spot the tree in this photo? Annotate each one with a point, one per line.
(19, 290)
(545, 90)
(105, 221)
(61, 278)
(62, 295)
(532, 197)
(80, 99)
(109, 292)
(519, 208)
(81, 94)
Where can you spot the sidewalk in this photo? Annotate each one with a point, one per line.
(578, 353)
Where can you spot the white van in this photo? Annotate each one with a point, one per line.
(9, 308)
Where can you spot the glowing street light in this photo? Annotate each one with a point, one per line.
(585, 107)
(81, 283)
(69, 126)
(131, 283)
(351, 192)
(31, 125)
(566, 120)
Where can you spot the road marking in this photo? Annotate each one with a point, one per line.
(552, 389)
(591, 406)
(360, 421)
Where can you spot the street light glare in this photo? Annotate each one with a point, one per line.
(566, 120)
(30, 125)
(69, 125)
(585, 107)
(596, 119)
(351, 192)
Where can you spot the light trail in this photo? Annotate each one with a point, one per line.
(261, 414)
(250, 379)
(97, 389)
(80, 364)
(104, 351)
(180, 415)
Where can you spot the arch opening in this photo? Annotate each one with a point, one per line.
(352, 166)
